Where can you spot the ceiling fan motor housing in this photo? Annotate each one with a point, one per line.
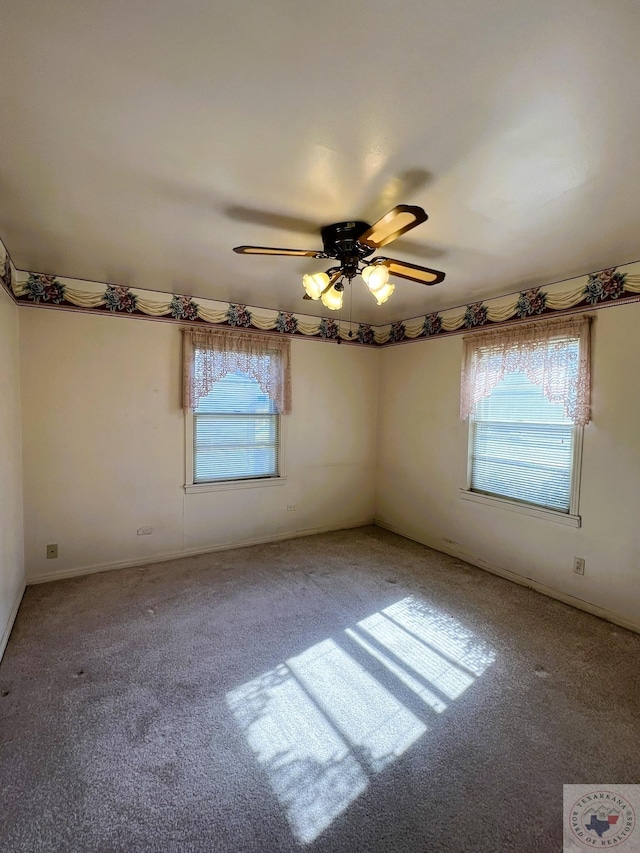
(340, 241)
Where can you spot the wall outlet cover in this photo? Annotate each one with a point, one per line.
(52, 552)
(145, 531)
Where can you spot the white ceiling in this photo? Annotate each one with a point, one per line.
(141, 141)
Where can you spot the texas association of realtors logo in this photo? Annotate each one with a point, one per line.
(602, 819)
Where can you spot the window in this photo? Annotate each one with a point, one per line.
(237, 386)
(526, 392)
(235, 432)
(522, 446)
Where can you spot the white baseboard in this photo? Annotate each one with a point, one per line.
(176, 555)
(12, 618)
(550, 591)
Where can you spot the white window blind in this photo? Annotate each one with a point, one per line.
(235, 432)
(522, 445)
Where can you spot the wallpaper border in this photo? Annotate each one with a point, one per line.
(612, 286)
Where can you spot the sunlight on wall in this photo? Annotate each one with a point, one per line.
(322, 723)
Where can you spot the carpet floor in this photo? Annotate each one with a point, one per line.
(345, 692)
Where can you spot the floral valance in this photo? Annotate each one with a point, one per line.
(554, 354)
(210, 354)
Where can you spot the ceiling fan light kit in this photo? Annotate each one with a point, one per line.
(315, 284)
(350, 243)
(376, 277)
(332, 297)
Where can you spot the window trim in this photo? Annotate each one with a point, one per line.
(242, 483)
(572, 518)
(523, 508)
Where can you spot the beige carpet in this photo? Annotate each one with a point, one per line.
(344, 692)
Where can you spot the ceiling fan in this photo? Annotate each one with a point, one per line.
(350, 243)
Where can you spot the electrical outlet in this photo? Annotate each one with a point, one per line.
(291, 507)
(578, 565)
(145, 531)
(52, 552)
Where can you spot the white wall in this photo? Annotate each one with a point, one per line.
(104, 446)
(103, 436)
(422, 465)
(11, 527)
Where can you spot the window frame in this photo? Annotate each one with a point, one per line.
(571, 519)
(547, 332)
(190, 487)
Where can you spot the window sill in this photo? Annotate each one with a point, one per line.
(226, 485)
(523, 509)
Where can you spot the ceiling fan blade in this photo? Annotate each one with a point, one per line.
(413, 272)
(398, 221)
(418, 250)
(269, 250)
(403, 185)
(271, 219)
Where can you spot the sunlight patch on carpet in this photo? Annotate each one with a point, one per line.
(321, 724)
(435, 669)
(310, 767)
(443, 633)
(375, 723)
(427, 696)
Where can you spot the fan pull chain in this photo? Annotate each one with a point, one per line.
(339, 339)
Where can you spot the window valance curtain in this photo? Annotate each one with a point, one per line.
(554, 354)
(210, 354)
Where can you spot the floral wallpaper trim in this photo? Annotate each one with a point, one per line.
(6, 272)
(115, 299)
(597, 290)
(611, 286)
